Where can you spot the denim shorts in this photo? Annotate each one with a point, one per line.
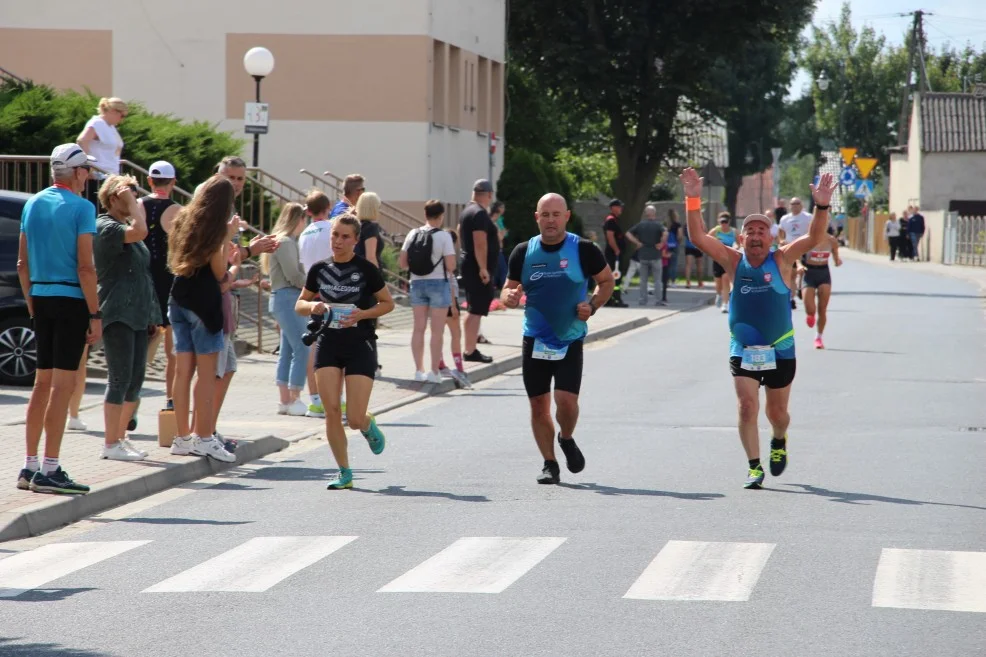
(226, 363)
(431, 292)
(191, 335)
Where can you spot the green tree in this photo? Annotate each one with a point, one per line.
(592, 174)
(633, 63)
(796, 175)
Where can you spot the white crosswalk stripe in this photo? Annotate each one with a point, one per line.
(694, 570)
(254, 566)
(33, 569)
(475, 565)
(931, 579)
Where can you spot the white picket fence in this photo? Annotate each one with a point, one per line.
(964, 240)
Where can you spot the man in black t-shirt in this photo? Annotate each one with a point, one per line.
(480, 252)
(615, 244)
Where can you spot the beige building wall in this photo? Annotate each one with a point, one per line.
(906, 168)
(949, 177)
(353, 87)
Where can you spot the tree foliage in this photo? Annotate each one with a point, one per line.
(36, 118)
(526, 177)
(634, 62)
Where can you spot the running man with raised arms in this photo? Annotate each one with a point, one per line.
(553, 270)
(761, 351)
(818, 277)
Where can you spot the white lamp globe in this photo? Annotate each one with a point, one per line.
(258, 62)
(823, 82)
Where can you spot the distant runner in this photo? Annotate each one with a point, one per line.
(818, 277)
(761, 349)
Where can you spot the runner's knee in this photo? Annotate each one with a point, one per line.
(748, 409)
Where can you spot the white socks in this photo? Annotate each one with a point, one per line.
(32, 463)
(316, 400)
(49, 465)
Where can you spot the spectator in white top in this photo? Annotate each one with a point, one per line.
(892, 231)
(315, 245)
(429, 254)
(103, 142)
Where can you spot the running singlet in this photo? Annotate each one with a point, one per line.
(555, 284)
(760, 309)
(819, 256)
(729, 239)
(156, 240)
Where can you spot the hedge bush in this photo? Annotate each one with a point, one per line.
(526, 177)
(36, 118)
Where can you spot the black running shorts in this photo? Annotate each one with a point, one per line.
(717, 270)
(356, 356)
(816, 276)
(692, 251)
(567, 372)
(60, 328)
(781, 377)
(479, 295)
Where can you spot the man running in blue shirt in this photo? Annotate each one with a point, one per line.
(553, 270)
(761, 351)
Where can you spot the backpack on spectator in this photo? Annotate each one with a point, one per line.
(419, 253)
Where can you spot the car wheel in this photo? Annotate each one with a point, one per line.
(18, 352)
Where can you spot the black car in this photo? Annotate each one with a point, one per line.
(18, 350)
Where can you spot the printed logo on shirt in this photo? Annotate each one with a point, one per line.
(767, 277)
(539, 265)
(355, 276)
(563, 263)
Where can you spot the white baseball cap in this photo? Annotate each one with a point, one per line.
(69, 156)
(161, 169)
(757, 217)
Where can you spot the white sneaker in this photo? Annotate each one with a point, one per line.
(433, 377)
(446, 373)
(420, 377)
(120, 452)
(461, 380)
(132, 447)
(182, 446)
(211, 447)
(76, 424)
(282, 409)
(297, 408)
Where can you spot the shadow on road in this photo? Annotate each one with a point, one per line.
(399, 491)
(610, 490)
(859, 498)
(936, 295)
(182, 521)
(277, 473)
(403, 424)
(8, 649)
(39, 595)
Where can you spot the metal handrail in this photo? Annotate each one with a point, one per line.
(392, 212)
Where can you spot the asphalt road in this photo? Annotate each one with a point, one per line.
(872, 543)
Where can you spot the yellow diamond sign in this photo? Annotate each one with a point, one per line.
(865, 166)
(847, 155)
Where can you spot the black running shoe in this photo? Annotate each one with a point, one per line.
(573, 455)
(778, 456)
(550, 474)
(754, 478)
(24, 479)
(57, 482)
(794, 305)
(477, 357)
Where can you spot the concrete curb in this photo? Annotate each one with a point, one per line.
(57, 511)
(53, 512)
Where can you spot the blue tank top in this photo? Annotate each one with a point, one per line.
(555, 285)
(726, 238)
(760, 309)
(672, 238)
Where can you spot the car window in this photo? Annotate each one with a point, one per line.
(10, 228)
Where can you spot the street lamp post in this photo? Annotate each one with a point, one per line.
(258, 62)
(823, 84)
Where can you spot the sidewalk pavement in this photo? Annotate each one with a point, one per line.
(975, 275)
(250, 416)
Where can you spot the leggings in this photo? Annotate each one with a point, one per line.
(126, 353)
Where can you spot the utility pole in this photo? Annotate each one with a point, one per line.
(915, 48)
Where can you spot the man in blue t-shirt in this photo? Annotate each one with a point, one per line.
(552, 269)
(58, 278)
(352, 188)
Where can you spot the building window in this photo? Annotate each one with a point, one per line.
(439, 96)
(496, 96)
(455, 91)
(483, 120)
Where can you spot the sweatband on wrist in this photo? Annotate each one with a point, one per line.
(693, 203)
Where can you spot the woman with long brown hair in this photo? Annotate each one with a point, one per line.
(287, 277)
(198, 249)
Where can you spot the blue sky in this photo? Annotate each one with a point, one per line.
(954, 21)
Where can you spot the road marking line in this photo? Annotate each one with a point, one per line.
(32, 569)
(475, 565)
(253, 566)
(696, 570)
(931, 579)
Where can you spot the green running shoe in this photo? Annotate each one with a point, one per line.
(754, 478)
(343, 480)
(315, 410)
(374, 436)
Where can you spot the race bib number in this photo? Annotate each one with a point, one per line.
(819, 255)
(758, 359)
(339, 312)
(544, 352)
